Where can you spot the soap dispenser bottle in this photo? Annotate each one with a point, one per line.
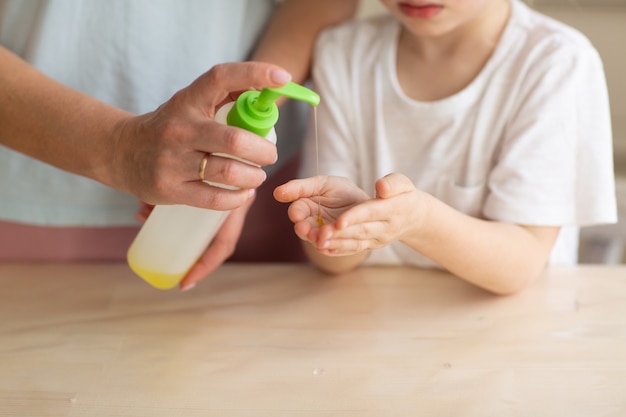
(175, 236)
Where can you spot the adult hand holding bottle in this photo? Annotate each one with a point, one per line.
(154, 156)
(176, 245)
(190, 116)
(162, 157)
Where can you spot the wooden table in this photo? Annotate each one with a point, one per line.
(272, 340)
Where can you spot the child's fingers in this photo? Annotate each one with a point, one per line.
(308, 232)
(299, 211)
(288, 192)
(374, 231)
(369, 211)
(353, 239)
(344, 247)
(302, 230)
(297, 189)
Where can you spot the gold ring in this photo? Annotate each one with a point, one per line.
(205, 158)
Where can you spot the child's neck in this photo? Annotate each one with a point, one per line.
(433, 68)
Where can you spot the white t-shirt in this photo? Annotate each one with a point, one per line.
(132, 54)
(528, 141)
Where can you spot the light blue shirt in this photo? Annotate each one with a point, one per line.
(132, 54)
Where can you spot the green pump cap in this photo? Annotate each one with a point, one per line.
(257, 111)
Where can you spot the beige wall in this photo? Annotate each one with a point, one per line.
(604, 22)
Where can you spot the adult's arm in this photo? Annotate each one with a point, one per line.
(154, 156)
(290, 36)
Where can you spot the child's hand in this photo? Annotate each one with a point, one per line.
(331, 195)
(353, 222)
(396, 212)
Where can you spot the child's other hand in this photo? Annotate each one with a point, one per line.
(331, 195)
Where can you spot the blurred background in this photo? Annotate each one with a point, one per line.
(604, 23)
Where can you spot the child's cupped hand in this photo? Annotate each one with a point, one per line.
(315, 200)
(352, 221)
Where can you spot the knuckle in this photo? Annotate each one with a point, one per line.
(234, 138)
(160, 183)
(157, 176)
(227, 171)
(235, 142)
(178, 97)
(216, 73)
(170, 130)
(214, 197)
(219, 199)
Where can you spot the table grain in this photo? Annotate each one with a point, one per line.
(271, 340)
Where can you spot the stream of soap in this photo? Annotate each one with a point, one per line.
(320, 221)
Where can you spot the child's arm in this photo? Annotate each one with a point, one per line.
(499, 257)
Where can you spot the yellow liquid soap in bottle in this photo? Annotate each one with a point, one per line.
(174, 237)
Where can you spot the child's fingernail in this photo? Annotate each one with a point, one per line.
(280, 76)
(187, 287)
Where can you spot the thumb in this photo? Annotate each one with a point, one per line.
(212, 87)
(392, 185)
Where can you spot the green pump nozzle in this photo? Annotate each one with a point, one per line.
(292, 90)
(257, 111)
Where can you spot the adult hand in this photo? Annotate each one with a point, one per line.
(157, 156)
(221, 247)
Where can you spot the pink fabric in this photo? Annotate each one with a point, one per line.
(21, 242)
(268, 234)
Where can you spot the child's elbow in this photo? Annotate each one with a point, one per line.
(511, 284)
(509, 289)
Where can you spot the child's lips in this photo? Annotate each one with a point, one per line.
(420, 10)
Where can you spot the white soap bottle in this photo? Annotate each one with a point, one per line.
(175, 236)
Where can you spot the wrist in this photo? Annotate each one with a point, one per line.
(117, 133)
(422, 229)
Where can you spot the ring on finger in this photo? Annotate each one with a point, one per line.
(203, 163)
